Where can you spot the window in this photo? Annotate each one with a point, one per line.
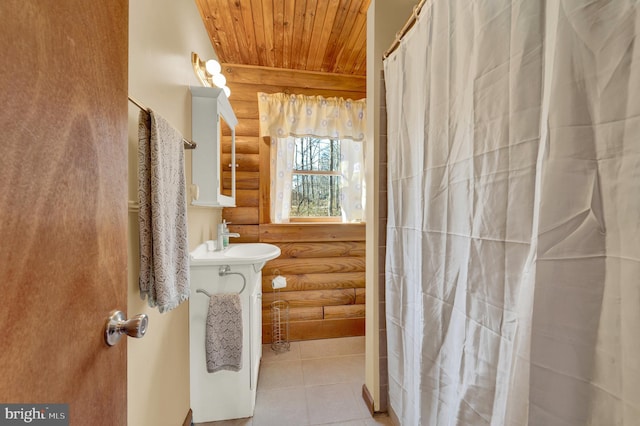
(318, 179)
(316, 186)
(318, 176)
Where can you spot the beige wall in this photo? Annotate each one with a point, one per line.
(162, 35)
(384, 19)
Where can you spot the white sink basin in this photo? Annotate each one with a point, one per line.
(256, 254)
(258, 251)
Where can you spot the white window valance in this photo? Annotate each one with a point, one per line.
(283, 115)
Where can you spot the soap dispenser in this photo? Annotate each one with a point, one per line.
(225, 234)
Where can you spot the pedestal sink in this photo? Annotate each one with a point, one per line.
(256, 254)
(226, 394)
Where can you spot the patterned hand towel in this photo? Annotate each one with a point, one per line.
(164, 251)
(224, 333)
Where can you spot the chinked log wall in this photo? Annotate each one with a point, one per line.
(324, 263)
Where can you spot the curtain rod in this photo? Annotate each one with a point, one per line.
(407, 26)
(187, 144)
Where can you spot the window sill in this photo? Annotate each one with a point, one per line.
(301, 231)
(296, 221)
(315, 220)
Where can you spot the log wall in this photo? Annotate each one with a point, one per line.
(324, 263)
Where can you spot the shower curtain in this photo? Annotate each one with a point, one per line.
(513, 236)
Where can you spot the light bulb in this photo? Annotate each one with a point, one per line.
(219, 80)
(227, 91)
(213, 67)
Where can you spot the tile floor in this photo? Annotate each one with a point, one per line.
(318, 382)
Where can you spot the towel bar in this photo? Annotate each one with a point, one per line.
(187, 143)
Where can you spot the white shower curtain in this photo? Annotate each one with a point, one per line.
(513, 239)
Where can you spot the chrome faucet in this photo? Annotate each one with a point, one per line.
(223, 231)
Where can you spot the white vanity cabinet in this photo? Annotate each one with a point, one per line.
(226, 395)
(256, 338)
(210, 108)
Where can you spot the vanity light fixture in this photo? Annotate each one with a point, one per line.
(219, 79)
(209, 73)
(213, 67)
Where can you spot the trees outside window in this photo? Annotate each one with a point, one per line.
(316, 188)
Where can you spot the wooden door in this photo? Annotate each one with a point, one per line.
(63, 129)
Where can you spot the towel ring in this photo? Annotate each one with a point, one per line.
(224, 271)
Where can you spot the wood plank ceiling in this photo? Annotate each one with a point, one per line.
(314, 35)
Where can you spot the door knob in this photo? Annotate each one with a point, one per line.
(117, 325)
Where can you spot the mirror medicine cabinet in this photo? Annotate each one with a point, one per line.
(211, 118)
